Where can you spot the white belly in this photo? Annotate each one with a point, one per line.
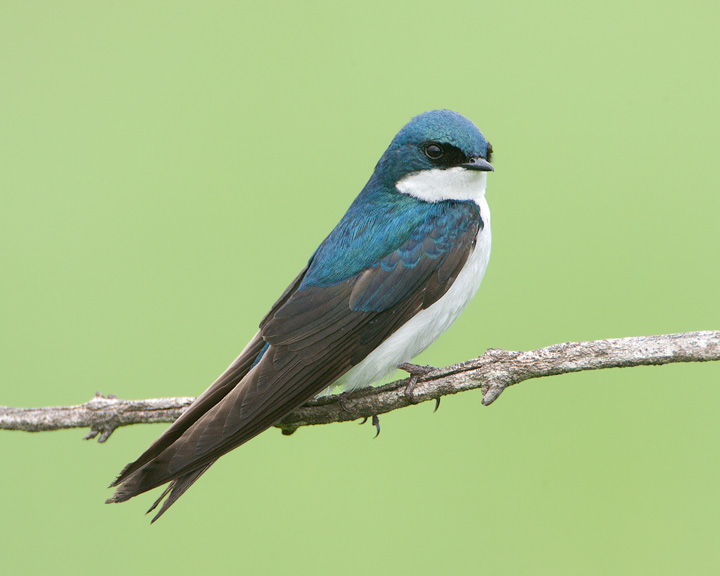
(426, 326)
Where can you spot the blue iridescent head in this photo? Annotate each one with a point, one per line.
(439, 139)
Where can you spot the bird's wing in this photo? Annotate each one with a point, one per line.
(313, 335)
(214, 394)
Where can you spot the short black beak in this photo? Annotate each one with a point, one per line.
(478, 163)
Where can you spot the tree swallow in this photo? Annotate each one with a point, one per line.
(394, 274)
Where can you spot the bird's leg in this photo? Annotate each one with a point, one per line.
(415, 372)
(341, 399)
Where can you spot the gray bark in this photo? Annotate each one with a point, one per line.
(492, 372)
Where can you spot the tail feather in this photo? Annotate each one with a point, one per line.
(132, 486)
(230, 412)
(175, 489)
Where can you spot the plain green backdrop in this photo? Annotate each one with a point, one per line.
(167, 168)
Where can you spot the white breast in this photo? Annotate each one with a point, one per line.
(426, 326)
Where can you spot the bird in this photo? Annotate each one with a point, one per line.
(393, 275)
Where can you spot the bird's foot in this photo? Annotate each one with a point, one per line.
(376, 423)
(342, 398)
(416, 372)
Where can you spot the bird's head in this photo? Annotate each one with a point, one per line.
(438, 155)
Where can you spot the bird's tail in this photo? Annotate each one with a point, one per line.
(176, 488)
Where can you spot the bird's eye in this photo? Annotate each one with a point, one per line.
(434, 151)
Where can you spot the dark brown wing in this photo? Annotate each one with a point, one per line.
(312, 337)
(214, 394)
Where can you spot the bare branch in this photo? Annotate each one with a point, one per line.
(492, 372)
(101, 414)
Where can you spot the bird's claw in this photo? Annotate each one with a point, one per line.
(375, 421)
(341, 400)
(416, 372)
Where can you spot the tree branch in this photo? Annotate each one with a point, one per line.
(492, 372)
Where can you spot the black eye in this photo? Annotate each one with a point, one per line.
(434, 151)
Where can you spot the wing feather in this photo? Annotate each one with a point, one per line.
(312, 336)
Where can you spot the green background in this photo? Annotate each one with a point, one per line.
(166, 169)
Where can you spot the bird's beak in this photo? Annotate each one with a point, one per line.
(478, 163)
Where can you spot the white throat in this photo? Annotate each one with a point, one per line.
(438, 185)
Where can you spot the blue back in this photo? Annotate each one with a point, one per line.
(379, 223)
(381, 219)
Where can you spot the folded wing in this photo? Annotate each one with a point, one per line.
(313, 335)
